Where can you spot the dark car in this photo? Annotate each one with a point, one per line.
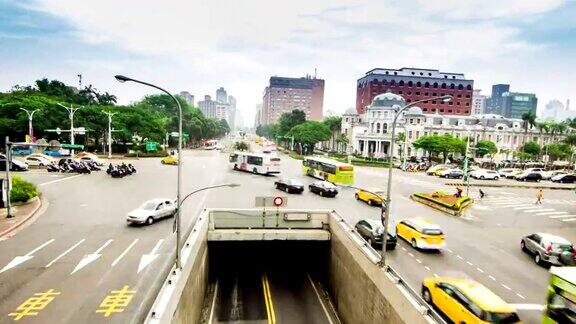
(565, 178)
(452, 174)
(290, 186)
(547, 248)
(323, 188)
(14, 166)
(529, 176)
(371, 231)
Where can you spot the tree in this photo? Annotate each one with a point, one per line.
(240, 146)
(558, 151)
(485, 147)
(223, 127)
(269, 131)
(309, 133)
(531, 149)
(288, 120)
(444, 144)
(529, 119)
(342, 141)
(334, 123)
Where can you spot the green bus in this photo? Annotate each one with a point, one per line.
(328, 169)
(561, 297)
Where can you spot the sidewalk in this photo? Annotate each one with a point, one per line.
(22, 214)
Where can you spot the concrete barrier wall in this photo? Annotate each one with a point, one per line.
(361, 291)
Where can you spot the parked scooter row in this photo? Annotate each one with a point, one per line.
(71, 166)
(120, 170)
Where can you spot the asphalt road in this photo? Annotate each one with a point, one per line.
(82, 249)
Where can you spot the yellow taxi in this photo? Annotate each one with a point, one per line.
(421, 233)
(467, 301)
(372, 197)
(439, 171)
(170, 159)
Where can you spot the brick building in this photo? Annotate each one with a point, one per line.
(286, 94)
(414, 84)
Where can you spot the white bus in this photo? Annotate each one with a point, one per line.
(256, 163)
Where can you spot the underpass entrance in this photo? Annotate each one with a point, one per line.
(268, 282)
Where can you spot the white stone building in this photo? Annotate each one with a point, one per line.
(369, 134)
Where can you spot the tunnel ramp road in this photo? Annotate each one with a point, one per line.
(282, 266)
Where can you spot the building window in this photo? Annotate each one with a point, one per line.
(467, 104)
(419, 84)
(395, 73)
(435, 84)
(452, 85)
(412, 72)
(410, 82)
(443, 86)
(459, 96)
(417, 93)
(384, 128)
(409, 93)
(460, 87)
(458, 103)
(449, 111)
(467, 96)
(401, 83)
(386, 72)
(427, 85)
(392, 82)
(346, 119)
(384, 81)
(378, 128)
(400, 92)
(468, 87)
(410, 135)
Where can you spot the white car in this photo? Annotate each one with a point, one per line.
(485, 174)
(90, 158)
(36, 161)
(152, 210)
(548, 175)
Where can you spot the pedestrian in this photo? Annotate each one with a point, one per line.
(539, 196)
(482, 194)
(458, 192)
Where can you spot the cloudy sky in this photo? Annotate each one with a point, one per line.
(200, 45)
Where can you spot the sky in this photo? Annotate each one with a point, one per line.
(201, 45)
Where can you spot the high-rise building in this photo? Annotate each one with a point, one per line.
(515, 104)
(188, 97)
(207, 107)
(221, 95)
(258, 116)
(478, 103)
(495, 103)
(286, 94)
(232, 113)
(415, 84)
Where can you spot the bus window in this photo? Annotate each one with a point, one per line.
(256, 160)
(328, 168)
(305, 163)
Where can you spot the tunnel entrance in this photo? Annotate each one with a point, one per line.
(268, 282)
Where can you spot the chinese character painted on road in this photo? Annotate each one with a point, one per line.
(34, 304)
(116, 301)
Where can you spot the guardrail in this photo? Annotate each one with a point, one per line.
(269, 218)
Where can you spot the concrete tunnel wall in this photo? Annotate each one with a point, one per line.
(360, 290)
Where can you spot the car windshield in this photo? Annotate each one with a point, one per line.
(327, 185)
(294, 182)
(432, 231)
(148, 206)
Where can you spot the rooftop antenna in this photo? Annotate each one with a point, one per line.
(315, 70)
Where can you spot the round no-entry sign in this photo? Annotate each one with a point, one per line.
(278, 201)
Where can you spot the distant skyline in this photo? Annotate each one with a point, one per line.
(198, 46)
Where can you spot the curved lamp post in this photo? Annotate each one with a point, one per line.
(30, 116)
(122, 78)
(445, 98)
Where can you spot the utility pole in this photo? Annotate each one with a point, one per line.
(71, 111)
(30, 129)
(8, 182)
(465, 168)
(110, 114)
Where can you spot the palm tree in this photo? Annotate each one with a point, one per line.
(529, 119)
(544, 127)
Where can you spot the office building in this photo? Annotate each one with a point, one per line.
(415, 84)
(495, 103)
(221, 95)
(283, 95)
(516, 104)
(478, 103)
(188, 97)
(208, 107)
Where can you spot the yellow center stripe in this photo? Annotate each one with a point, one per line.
(268, 300)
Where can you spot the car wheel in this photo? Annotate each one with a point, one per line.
(255, 171)
(537, 258)
(426, 295)
(370, 242)
(235, 166)
(356, 196)
(321, 193)
(414, 244)
(523, 246)
(149, 220)
(481, 177)
(537, 180)
(496, 178)
(162, 161)
(370, 202)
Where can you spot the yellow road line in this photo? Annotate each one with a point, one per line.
(268, 300)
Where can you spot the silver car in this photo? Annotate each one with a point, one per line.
(151, 211)
(546, 248)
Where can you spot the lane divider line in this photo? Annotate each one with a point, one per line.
(320, 300)
(268, 300)
(213, 307)
(125, 251)
(65, 252)
(58, 180)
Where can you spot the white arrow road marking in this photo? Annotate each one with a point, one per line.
(65, 252)
(124, 253)
(148, 258)
(89, 258)
(23, 258)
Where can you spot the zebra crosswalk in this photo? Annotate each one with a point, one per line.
(526, 205)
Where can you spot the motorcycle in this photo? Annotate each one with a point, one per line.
(52, 167)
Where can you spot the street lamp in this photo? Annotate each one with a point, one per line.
(122, 78)
(229, 185)
(110, 114)
(445, 98)
(30, 116)
(71, 111)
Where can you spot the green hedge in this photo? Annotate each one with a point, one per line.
(22, 190)
(460, 203)
(148, 154)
